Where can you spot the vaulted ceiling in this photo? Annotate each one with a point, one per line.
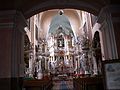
(31, 7)
(47, 16)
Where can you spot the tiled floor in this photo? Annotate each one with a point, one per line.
(62, 85)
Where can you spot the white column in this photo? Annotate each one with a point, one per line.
(31, 66)
(40, 75)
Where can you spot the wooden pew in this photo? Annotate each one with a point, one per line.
(36, 84)
(88, 83)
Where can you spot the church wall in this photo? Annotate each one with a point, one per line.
(108, 34)
(12, 33)
(115, 18)
(5, 61)
(117, 36)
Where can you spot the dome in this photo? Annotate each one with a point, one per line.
(60, 20)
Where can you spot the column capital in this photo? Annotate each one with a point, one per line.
(109, 10)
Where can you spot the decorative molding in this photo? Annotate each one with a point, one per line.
(6, 25)
(12, 19)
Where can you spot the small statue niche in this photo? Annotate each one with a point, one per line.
(60, 41)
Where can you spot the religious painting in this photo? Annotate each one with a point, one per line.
(111, 72)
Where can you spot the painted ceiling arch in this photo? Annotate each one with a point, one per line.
(46, 18)
(32, 7)
(91, 7)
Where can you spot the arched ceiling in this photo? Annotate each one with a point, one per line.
(31, 7)
(47, 16)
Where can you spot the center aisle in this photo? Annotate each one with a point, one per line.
(62, 85)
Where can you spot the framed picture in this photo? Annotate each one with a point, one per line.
(111, 73)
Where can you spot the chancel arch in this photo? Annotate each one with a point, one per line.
(13, 19)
